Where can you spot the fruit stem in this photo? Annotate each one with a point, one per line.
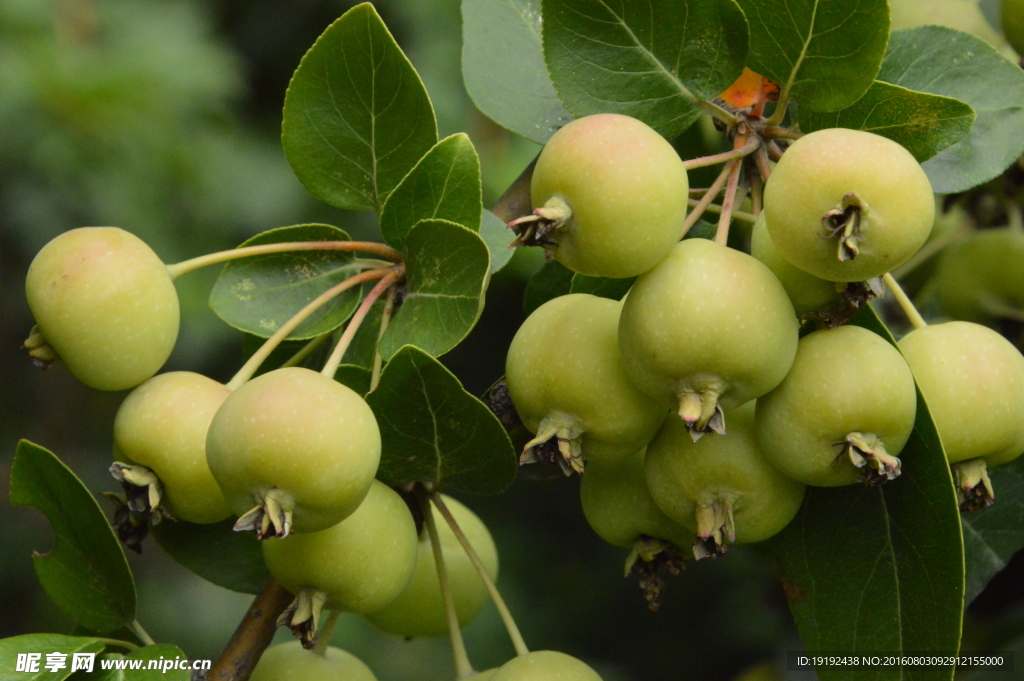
(756, 196)
(761, 161)
(736, 214)
(385, 319)
(780, 108)
(252, 636)
(739, 152)
(253, 364)
(117, 643)
(499, 602)
(904, 301)
(136, 628)
(463, 668)
(706, 200)
(784, 133)
(722, 235)
(1014, 218)
(323, 636)
(307, 350)
(186, 266)
(357, 319)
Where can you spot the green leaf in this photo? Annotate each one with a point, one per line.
(356, 114)
(825, 53)
(992, 535)
(355, 377)
(447, 268)
(86, 574)
(215, 552)
(433, 431)
(168, 653)
(363, 349)
(444, 184)
(942, 61)
(879, 569)
(260, 293)
(503, 67)
(497, 236)
(654, 60)
(924, 124)
(616, 289)
(553, 279)
(43, 644)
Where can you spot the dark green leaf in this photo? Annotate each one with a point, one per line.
(355, 377)
(168, 653)
(650, 59)
(497, 236)
(356, 115)
(503, 67)
(702, 229)
(260, 293)
(216, 553)
(825, 53)
(616, 289)
(43, 644)
(447, 271)
(553, 279)
(924, 124)
(363, 349)
(86, 574)
(942, 61)
(880, 569)
(992, 535)
(432, 430)
(1005, 671)
(445, 184)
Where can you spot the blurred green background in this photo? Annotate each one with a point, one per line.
(162, 117)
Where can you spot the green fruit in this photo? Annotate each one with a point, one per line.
(162, 425)
(807, 292)
(848, 205)
(290, 662)
(106, 303)
(362, 563)
(545, 665)
(300, 448)
(848, 405)
(722, 487)
(981, 279)
(419, 610)
(1012, 15)
(708, 329)
(611, 197)
(566, 379)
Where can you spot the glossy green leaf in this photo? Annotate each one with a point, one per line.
(356, 114)
(86, 573)
(879, 569)
(924, 124)
(503, 67)
(992, 535)
(355, 377)
(650, 59)
(43, 644)
(260, 293)
(142, 657)
(447, 268)
(433, 431)
(444, 184)
(497, 236)
(616, 289)
(942, 61)
(553, 279)
(824, 52)
(216, 553)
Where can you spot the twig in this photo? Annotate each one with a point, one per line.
(252, 636)
(706, 200)
(193, 264)
(916, 320)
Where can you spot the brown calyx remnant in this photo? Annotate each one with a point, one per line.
(538, 228)
(845, 222)
(700, 411)
(567, 436)
(867, 452)
(303, 616)
(41, 352)
(715, 525)
(139, 507)
(855, 295)
(973, 486)
(271, 517)
(650, 560)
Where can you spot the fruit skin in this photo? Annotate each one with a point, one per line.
(106, 303)
(162, 425)
(812, 179)
(363, 563)
(627, 190)
(980, 278)
(545, 665)
(1012, 15)
(806, 291)
(707, 318)
(844, 380)
(564, 364)
(290, 662)
(683, 475)
(299, 432)
(619, 508)
(973, 382)
(419, 610)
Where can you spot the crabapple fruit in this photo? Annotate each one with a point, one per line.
(545, 665)
(290, 662)
(980, 278)
(806, 291)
